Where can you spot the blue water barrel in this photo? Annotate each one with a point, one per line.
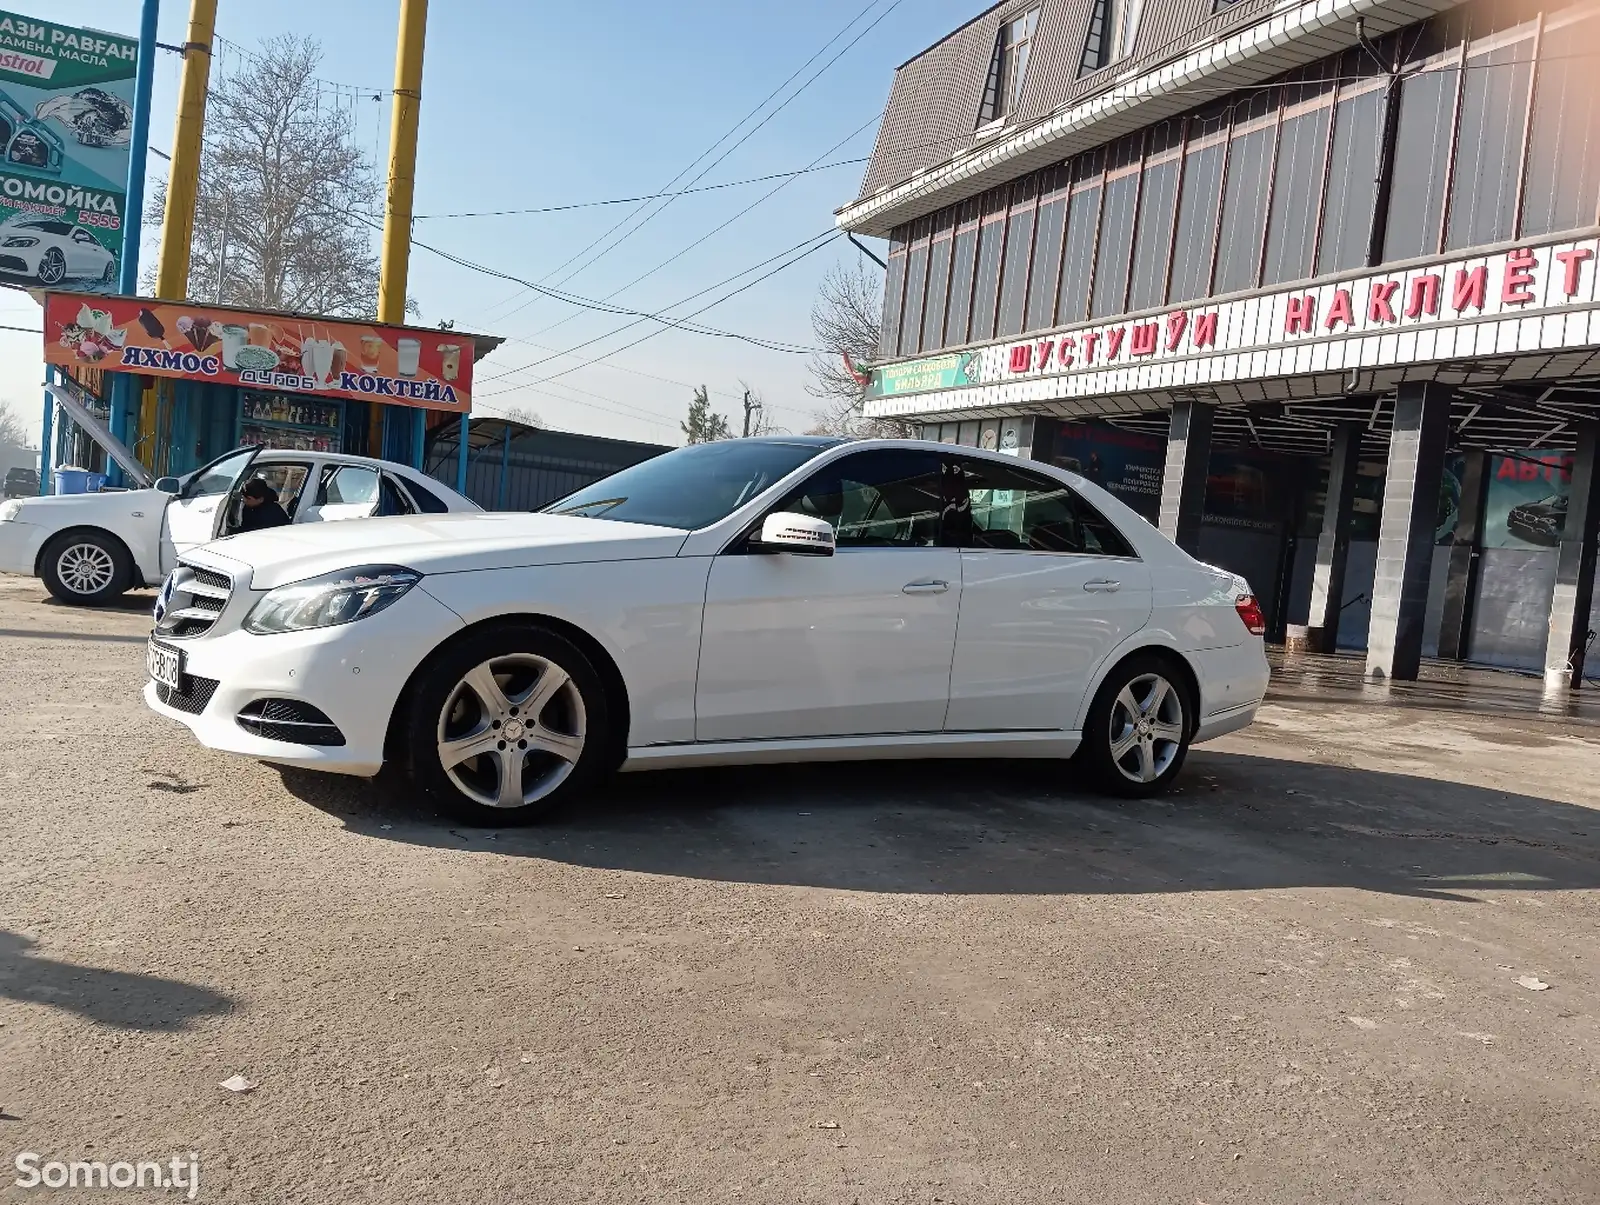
(71, 480)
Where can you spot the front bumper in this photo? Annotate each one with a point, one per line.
(353, 673)
(20, 545)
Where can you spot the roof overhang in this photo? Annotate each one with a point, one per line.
(1290, 35)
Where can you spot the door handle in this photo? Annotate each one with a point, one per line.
(1103, 585)
(927, 586)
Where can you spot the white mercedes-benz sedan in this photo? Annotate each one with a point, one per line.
(756, 600)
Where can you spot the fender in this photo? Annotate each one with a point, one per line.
(1144, 638)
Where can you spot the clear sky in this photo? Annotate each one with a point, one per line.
(542, 104)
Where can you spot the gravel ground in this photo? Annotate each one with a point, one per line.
(1300, 977)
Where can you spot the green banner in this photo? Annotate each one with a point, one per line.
(66, 118)
(924, 376)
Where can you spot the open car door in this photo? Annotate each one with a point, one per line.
(196, 513)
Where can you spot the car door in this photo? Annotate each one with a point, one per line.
(81, 257)
(853, 644)
(1049, 589)
(195, 514)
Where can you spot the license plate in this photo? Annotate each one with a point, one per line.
(165, 665)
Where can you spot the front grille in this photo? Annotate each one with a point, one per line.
(194, 696)
(289, 720)
(191, 600)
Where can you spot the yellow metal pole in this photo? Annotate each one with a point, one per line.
(177, 227)
(402, 161)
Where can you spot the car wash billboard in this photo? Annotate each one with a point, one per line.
(66, 118)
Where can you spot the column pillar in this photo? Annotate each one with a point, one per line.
(1575, 564)
(1461, 584)
(1183, 477)
(1333, 542)
(1406, 530)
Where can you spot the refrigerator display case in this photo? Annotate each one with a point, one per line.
(290, 422)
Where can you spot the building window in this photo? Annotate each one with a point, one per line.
(1244, 199)
(933, 308)
(894, 285)
(1116, 227)
(916, 282)
(1563, 189)
(1047, 232)
(1422, 157)
(1494, 108)
(1198, 196)
(1158, 203)
(1297, 182)
(991, 241)
(1008, 68)
(959, 313)
(1083, 221)
(1113, 25)
(1352, 177)
(1019, 253)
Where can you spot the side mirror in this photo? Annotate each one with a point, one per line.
(168, 485)
(803, 535)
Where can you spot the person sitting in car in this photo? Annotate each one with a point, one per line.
(261, 507)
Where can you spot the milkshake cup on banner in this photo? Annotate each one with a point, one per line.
(409, 354)
(233, 341)
(371, 351)
(449, 360)
(337, 358)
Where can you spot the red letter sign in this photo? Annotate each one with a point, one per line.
(1518, 277)
(1301, 315)
(1342, 310)
(1021, 358)
(1573, 262)
(1469, 288)
(1424, 296)
(1378, 308)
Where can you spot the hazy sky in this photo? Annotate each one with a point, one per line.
(529, 105)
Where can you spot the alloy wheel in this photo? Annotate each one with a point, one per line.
(1146, 728)
(85, 568)
(52, 268)
(512, 730)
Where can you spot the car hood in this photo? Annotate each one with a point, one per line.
(455, 543)
(59, 510)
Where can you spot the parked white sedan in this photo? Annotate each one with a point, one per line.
(756, 600)
(90, 548)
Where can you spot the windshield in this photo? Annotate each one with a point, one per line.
(691, 487)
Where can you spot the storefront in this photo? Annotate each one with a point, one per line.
(1312, 286)
(213, 378)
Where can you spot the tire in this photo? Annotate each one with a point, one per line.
(469, 722)
(52, 267)
(86, 568)
(1143, 710)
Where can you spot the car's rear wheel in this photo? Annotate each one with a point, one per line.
(86, 568)
(1138, 730)
(52, 267)
(507, 725)
(109, 276)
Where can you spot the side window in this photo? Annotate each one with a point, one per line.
(427, 501)
(350, 484)
(885, 498)
(390, 499)
(1014, 509)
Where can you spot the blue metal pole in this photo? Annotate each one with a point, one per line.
(124, 386)
(419, 438)
(47, 451)
(461, 457)
(505, 468)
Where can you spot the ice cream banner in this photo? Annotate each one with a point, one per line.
(369, 362)
(66, 118)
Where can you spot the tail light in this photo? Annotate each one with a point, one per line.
(1249, 608)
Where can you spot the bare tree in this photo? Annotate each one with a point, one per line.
(288, 203)
(13, 431)
(760, 414)
(521, 414)
(847, 320)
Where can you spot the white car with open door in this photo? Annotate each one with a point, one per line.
(90, 548)
(753, 600)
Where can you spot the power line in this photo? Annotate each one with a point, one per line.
(497, 213)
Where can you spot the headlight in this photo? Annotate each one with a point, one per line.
(334, 598)
(9, 509)
(21, 242)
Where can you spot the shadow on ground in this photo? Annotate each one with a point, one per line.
(1235, 823)
(117, 998)
(132, 602)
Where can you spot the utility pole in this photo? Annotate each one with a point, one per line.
(183, 183)
(749, 407)
(402, 183)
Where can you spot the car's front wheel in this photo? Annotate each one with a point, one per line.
(507, 725)
(86, 568)
(1138, 729)
(52, 267)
